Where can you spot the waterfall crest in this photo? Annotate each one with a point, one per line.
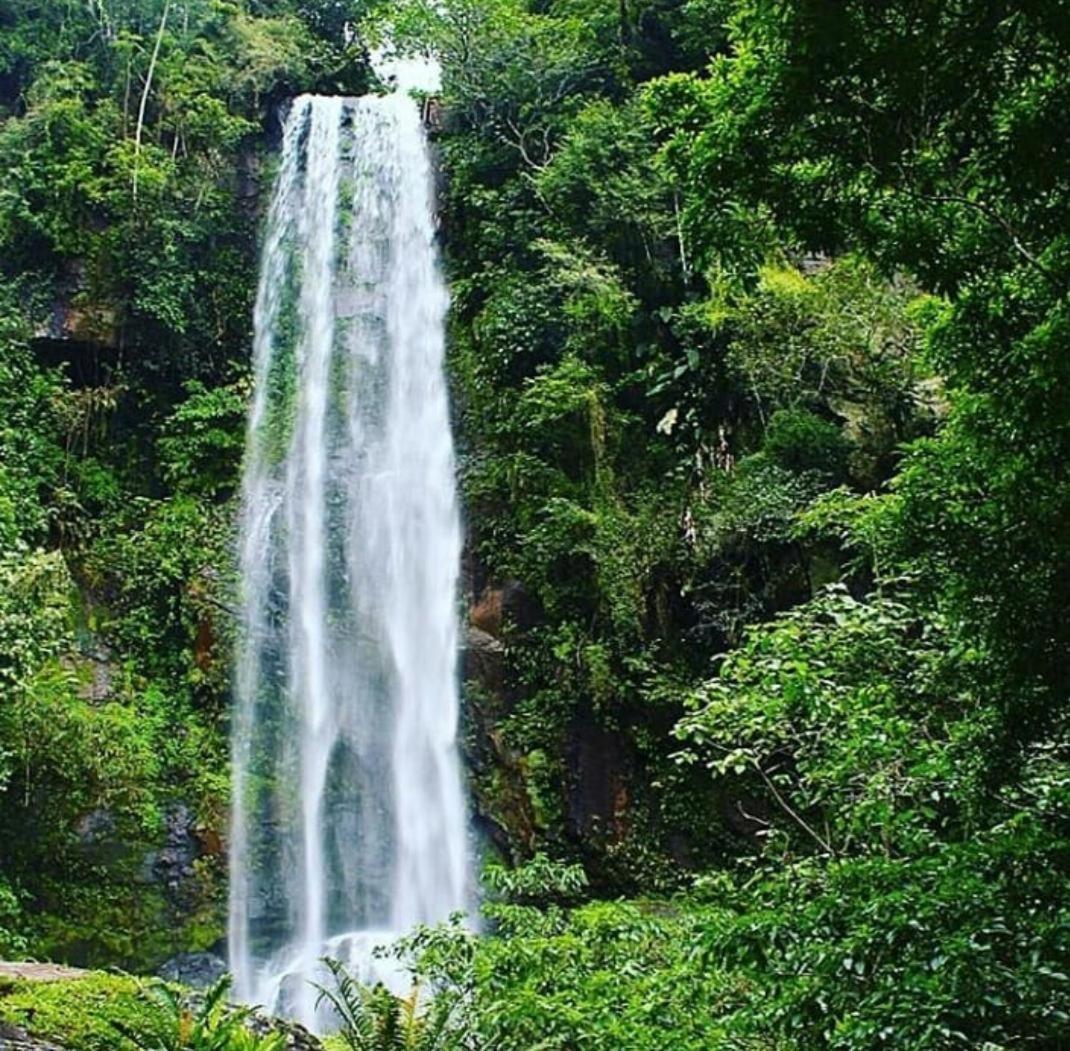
(349, 823)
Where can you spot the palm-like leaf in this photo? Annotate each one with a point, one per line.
(210, 1024)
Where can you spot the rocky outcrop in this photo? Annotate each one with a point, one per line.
(97, 835)
(76, 314)
(14, 1038)
(89, 323)
(504, 606)
(171, 867)
(197, 970)
(95, 672)
(484, 660)
(504, 809)
(582, 787)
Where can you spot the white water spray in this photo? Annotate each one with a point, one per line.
(349, 822)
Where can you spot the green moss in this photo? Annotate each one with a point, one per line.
(80, 1013)
(96, 923)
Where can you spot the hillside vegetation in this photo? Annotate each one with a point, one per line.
(761, 374)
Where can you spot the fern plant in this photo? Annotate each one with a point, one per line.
(371, 1018)
(208, 1024)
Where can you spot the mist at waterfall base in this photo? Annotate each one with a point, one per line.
(349, 823)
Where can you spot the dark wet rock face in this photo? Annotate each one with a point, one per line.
(171, 867)
(98, 837)
(601, 772)
(197, 970)
(76, 314)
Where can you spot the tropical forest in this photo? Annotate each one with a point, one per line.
(534, 525)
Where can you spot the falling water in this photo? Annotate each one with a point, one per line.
(349, 822)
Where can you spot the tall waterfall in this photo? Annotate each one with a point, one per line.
(349, 822)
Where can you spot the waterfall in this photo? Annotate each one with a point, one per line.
(349, 822)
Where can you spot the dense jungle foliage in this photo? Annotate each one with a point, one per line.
(759, 349)
(132, 137)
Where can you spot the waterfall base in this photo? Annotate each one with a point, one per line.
(289, 985)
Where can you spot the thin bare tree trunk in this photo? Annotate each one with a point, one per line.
(126, 97)
(148, 87)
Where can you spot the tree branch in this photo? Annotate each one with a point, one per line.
(994, 216)
(794, 815)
